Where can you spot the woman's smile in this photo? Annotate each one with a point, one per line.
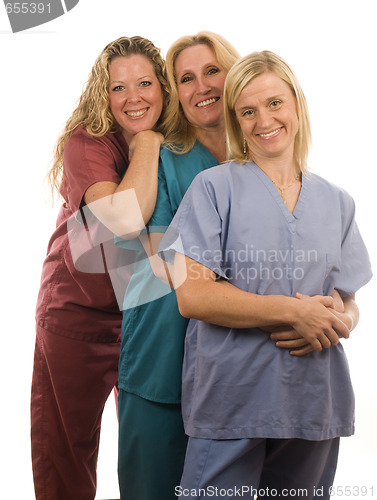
(270, 135)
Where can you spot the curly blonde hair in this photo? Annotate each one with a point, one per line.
(93, 107)
(180, 135)
(242, 73)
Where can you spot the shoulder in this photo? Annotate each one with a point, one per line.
(226, 172)
(325, 188)
(81, 139)
(89, 159)
(172, 153)
(215, 182)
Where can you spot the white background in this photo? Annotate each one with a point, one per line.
(331, 45)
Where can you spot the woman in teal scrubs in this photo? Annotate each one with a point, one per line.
(152, 442)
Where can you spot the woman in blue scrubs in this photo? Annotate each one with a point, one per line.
(152, 441)
(252, 235)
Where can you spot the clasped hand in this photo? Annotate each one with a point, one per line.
(319, 325)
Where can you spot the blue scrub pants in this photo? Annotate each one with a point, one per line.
(269, 468)
(152, 446)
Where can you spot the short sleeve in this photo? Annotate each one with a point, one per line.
(87, 160)
(196, 228)
(355, 268)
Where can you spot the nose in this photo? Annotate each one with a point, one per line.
(133, 95)
(264, 118)
(202, 85)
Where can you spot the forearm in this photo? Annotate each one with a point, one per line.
(225, 305)
(161, 269)
(350, 315)
(204, 298)
(142, 174)
(127, 207)
(345, 310)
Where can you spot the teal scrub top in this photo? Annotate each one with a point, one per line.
(153, 331)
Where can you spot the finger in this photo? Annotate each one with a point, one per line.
(341, 329)
(292, 344)
(274, 328)
(332, 337)
(325, 341)
(325, 300)
(301, 352)
(285, 335)
(316, 344)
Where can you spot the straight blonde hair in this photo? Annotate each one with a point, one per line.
(180, 135)
(241, 74)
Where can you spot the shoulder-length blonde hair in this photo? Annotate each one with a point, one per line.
(93, 107)
(242, 73)
(180, 135)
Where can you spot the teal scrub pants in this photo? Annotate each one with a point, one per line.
(152, 447)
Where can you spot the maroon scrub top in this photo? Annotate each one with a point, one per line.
(77, 300)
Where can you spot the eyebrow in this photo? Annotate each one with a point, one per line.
(274, 98)
(141, 78)
(269, 99)
(206, 66)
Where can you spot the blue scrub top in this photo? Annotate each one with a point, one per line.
(151, 355)
(236, 382)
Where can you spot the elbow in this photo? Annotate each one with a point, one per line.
(125, 222)
(187, 304)
(124, 227)
(184, 310)
(126, 233)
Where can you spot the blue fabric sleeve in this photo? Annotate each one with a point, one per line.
(355, 268)
(196, 228)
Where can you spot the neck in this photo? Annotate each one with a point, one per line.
(281, 170)
(213, 138)
(127, 137)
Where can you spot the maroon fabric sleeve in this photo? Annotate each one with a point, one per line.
(89, 159)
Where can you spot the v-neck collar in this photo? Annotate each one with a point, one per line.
(204, 151)
(290, 217)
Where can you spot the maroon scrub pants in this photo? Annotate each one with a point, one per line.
(72, 380)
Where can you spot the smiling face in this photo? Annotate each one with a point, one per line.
(135, 94)
(200, 81)
(267, 113)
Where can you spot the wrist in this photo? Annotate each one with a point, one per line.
(150, 137)
(287, 310)
(348, 321)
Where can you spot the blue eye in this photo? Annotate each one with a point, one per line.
(248, 112)
(118, 88)
(145, 83)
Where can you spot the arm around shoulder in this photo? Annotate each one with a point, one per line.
(127, 207)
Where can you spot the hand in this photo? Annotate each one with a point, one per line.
(337, 307)
(317, 324)
(288, 338)
(144, 136)
(338, 301)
